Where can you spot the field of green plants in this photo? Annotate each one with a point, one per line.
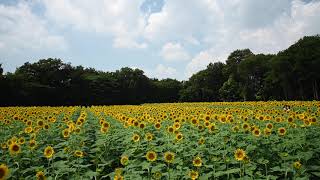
(248, 140)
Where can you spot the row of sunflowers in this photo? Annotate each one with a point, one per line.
(214, 140)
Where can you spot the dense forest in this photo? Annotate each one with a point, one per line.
(292, 74)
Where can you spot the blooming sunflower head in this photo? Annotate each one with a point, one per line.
(66, 133)
(151, 156)
(124, 160)
(239, 154)
(136, 138)
(256, 132)
(157, 175)
(168, 157)
(4, 171)
(282, 131)
(297, 165)
(197, 161)
(157, 125)
(48, 152)
(193, 174)
(78, 153)
(32, 144)
(14, 148)
(149, 137)
(40, 175)
(179, 136)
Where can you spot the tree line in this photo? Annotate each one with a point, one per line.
(291, 74)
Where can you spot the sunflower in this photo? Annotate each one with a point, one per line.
(157, 125)
(193, 174)
(78, 153)
(4, 171)
(297, 165)
(149, 137)
(282, 131)
(235, 128)
(256, 132)
(29, 123)
(28, 130)
(151, 156)
(176, 125)
(4, 146)
(245, 126)
(201, 141)
(124, 160)
(40, 175)
(142, 125)
(267, 131)
(104, 130)
(21, 140)
(194, 121)
(46, 126)
(77, 130)
(66, 133)
(14, 148)
(197, 162)
(168, 157)
(135, 137)
(40, 123)
(157, 175)
(48, 152)
(212, 127)
(239, 154)
(105, 124)
(179, 136)
(269, 126)
(118, 177)
(306, 122)
(170, 129)
(290, 119)
(32, 144)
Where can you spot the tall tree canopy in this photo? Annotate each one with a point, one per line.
(292, 74)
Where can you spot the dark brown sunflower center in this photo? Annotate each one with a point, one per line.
(2, 173)
(151, 156)
(15, 148)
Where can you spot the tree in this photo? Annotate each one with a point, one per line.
(1, 70)
(204, 85)
(252, 72)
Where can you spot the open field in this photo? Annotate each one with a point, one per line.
(250, 140)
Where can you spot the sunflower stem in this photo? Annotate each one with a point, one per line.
(240, 170)
(168, 168)
(266, 170)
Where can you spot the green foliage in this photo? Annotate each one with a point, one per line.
(292, 74)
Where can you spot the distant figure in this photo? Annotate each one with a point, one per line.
(286, 108)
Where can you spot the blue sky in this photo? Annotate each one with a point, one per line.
(165, 38)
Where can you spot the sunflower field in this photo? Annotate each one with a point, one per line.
(219, 140)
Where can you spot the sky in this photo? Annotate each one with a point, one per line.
(164, 38)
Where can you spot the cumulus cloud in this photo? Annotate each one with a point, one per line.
(121, 20)
(174, 52)
(209, 28)
(235, 24)
(162, 72)
(22, 30)
(199, 62)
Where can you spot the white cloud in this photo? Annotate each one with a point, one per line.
(199, 62)
(162, 72)
(123, 42)
(174, 52)
(210, 28)
(22, 30)
(121, 20)
(229, 25)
